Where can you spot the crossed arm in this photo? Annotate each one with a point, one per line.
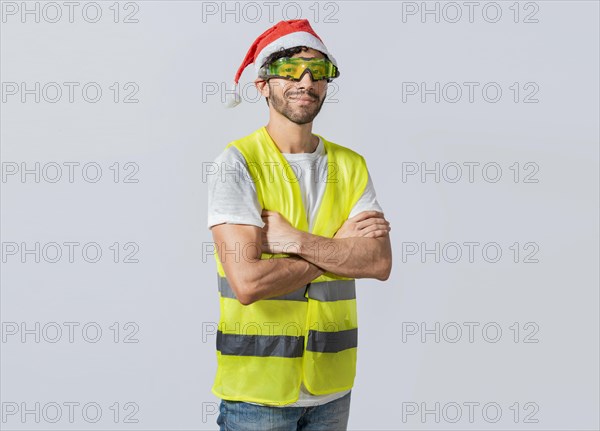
(360, 249)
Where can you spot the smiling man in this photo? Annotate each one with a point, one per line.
(295, 220)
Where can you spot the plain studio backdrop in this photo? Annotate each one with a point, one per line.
(479, 125)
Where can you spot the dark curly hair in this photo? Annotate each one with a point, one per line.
(286, 53)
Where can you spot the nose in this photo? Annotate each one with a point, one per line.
(307, 79)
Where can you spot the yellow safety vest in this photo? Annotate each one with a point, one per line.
(265, 350)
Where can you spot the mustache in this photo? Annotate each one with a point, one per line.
(299, 94)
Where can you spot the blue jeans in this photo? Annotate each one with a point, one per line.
(240, 416)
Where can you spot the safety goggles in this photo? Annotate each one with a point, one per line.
(294, 68)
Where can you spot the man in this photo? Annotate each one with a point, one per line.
(295, 220)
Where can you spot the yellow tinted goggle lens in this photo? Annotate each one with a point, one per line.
(294, 67)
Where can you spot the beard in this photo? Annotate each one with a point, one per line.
(288, 105)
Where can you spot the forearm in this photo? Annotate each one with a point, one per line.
(356, 257)
(266, 278)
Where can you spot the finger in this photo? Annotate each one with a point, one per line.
(370, 234)
(377, 234)
(370, 221)
(374, 228)
(365, 215)
(374, 216)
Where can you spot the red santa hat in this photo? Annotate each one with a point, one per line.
(283, 35)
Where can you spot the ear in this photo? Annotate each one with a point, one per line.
(262, 87)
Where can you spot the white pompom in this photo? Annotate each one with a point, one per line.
(232, 98)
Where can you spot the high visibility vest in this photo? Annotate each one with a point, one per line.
(265, 350)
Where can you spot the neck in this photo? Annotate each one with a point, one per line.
(291, 137)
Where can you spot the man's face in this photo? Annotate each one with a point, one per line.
(298, 101)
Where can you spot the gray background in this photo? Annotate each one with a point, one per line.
(169, 296)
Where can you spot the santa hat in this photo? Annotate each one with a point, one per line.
(283, 35)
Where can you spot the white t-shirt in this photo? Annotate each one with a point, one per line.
(232, 199)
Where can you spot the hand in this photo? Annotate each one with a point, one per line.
(368, 224)
(278, 235)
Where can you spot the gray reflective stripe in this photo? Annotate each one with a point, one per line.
(285, 346)
(296, 295)
(227, 292)
(332, 342)
(224, 288)
(334, 290)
